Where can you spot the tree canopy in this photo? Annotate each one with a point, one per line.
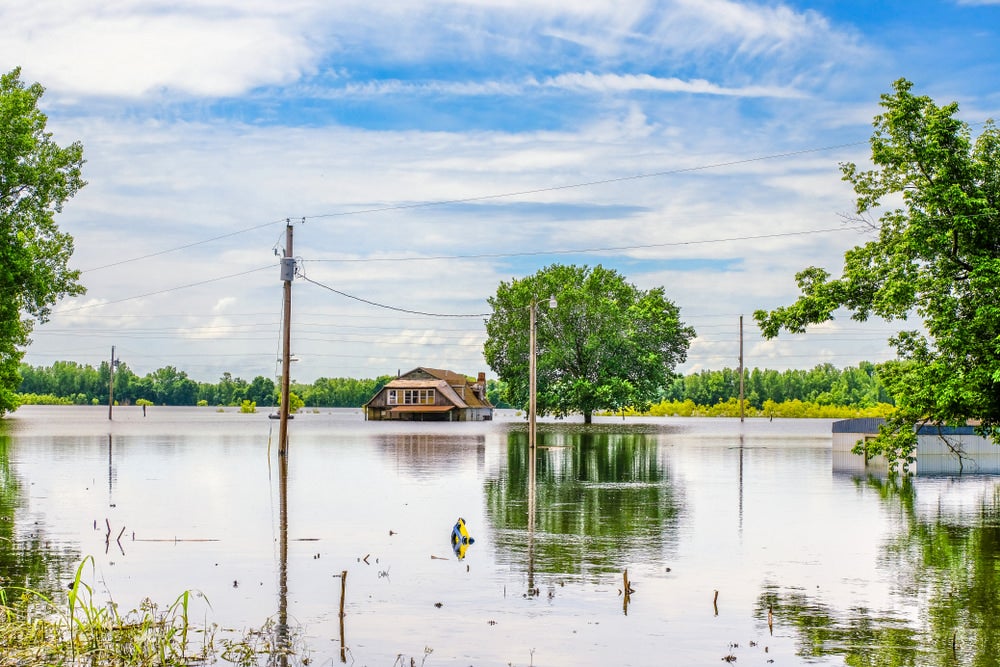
(605, 345)
(935, 257)
(37, 176)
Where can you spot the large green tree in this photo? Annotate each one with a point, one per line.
(37, 176)
(605, 345)
(935, 258)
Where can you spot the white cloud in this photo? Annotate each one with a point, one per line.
(136, 49)
(227, 48)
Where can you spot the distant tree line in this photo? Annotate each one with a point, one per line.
(824, 385)
(82, 384)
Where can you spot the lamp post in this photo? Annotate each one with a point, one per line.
(533, 370)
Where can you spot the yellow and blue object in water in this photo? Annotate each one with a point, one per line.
(460, 538)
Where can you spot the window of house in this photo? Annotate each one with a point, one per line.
(391, 397)
(418, 396)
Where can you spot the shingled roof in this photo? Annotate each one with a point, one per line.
(458, 388)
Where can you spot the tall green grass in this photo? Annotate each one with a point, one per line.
(36, 629)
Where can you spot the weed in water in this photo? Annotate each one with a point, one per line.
(36, 629)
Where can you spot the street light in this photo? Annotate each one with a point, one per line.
(533, 371)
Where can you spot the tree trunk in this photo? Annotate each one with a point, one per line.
(588, 417)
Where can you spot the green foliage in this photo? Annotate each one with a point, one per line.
(793, 409)
(340, 392)
(43, 399)
(202, 403)
(248, 406)
(606, 343)
(936, 257)
(294, 402)
(84, 384)
(70, 383)
(859, 386)
(37, 176)
(496, 393)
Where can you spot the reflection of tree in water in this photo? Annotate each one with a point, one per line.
(862, 636)
(603, 500)
(26, 560)
(946, 563)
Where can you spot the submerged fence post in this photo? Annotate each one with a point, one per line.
(343, 592)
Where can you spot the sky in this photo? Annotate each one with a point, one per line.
(424, 151)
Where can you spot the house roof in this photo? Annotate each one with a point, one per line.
(451, 377)
(441, 386)
(455, 387)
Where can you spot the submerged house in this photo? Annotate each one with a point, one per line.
(940, 449)
(431, 394)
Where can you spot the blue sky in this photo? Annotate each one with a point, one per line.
(430, 150)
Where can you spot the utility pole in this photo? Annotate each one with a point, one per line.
(532, 377)
(111, 383)
(533, 370)
(287, 274)
(741, 368)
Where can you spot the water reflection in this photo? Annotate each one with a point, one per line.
(431, 455)
(944, 560)
(282, 639)
(27, 558)
(588, 504)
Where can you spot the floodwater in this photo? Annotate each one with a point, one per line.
(720, 526)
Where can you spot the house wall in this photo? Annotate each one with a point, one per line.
(939, 451)
(845, 460)
(956, 452)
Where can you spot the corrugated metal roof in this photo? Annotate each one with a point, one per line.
(870, 425)
(858, 425)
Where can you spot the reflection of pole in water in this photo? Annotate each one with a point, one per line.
(110, 472)
(282, 629)
(741, 480)
(532, 483)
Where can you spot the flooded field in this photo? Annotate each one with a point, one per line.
(738, 540)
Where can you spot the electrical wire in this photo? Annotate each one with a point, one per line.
(586, 184)
(581, 251)
(182, 247)
(387, 307)
(163, 291)
(487, 197)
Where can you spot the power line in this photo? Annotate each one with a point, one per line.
(163, 291)
(387, 307)
(606, 181)
(487, 197)
(182, 247)
(536, 253)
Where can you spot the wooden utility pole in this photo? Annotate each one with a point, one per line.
(287, 275)
(532, 377)
(111, 383)
(741, 368)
